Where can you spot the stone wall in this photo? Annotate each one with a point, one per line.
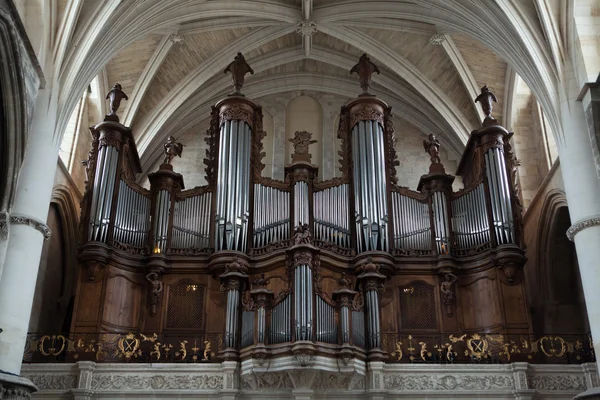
(285, 379)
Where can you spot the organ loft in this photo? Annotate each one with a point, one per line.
(302, 274)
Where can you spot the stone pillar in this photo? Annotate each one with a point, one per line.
(583, 195)
(27, 232)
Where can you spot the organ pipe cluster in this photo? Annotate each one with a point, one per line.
(370, 186)
(233, 186)
(331, 215)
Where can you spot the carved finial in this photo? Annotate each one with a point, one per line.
(365, 69)
(486, 98)
(115, 96)
(343, 282)
(238, 68)
(301, 141)
(369, 266)
(432, 146)
(172, 149)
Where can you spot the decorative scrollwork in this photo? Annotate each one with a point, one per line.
(34, 223)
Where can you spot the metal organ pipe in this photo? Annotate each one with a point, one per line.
(370, 186)
(271, 215)
(102, 195)
(233, 186)
(161, 221)
(500, 195)
(331, 219)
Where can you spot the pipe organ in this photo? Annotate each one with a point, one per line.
(342, 267)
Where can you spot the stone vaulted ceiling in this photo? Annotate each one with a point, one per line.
(169, 57)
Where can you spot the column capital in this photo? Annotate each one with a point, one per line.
(582, 224)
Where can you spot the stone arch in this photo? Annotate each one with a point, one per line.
(558, 306)
(57, 275)
(13, 112)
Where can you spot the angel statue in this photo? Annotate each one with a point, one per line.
(172, 149)
(486, 98)
(433, 148)
(115, 96)
(238, 68)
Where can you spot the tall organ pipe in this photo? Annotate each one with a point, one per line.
(233, 185)
(370, 186)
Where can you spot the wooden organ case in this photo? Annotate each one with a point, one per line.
(251, 267)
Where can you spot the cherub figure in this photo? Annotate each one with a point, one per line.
(301, 141)
(238, 68)
(115, 96)
(433, 148)
(486, 98)
(172, 149)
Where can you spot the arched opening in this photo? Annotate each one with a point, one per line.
(304, 113)
(559, 306)
(46, 315)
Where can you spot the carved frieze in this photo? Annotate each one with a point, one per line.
(449, 382)
(110, 382)
(236, 112)
(53, 382)
(557, 382)
(366, 112)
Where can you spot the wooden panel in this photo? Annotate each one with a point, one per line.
(514, 303)
(479, 303)
(123, 301)
(88, 304)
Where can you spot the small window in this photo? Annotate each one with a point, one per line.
(417, 307)
(185, 308)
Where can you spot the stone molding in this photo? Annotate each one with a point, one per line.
(22, 220)
(282, 377)
(581, 225)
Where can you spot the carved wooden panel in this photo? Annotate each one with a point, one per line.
(478, 299)
(185, 306)
(418, 306)
(123, 301)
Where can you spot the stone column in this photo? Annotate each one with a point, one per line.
(27, 232)
(583, 196)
